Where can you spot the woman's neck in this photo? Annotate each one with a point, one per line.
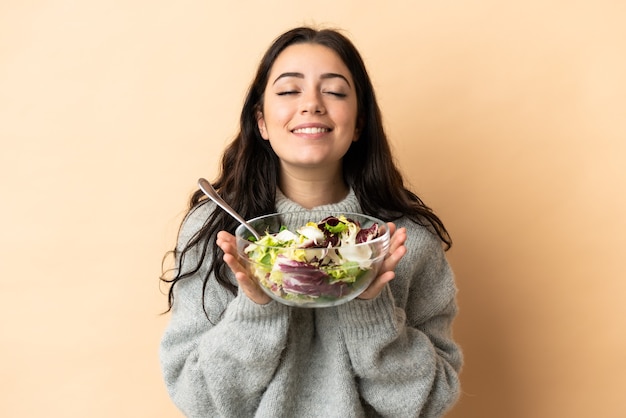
(310, 190)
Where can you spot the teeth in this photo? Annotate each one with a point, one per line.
(310, 130)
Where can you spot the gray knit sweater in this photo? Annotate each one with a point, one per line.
(392, 356)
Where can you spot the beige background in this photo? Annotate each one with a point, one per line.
(507, 117)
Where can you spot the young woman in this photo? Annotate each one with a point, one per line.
(311, 137)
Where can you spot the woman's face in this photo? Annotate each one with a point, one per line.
(310, 108)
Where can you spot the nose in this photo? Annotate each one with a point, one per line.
(312, 103)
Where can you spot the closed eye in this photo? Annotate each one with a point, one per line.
(287, 93)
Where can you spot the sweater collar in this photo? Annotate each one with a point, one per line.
(349, 204)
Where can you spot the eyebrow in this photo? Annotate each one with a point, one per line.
(324, 76)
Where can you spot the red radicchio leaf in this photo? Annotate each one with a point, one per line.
(368, 234)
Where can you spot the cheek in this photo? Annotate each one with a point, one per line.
(282, 113)
(349, 113)
(348, 118)
(276, 115)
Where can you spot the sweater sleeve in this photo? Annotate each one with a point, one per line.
(400, 343)
(219, 367)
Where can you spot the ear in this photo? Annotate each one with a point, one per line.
(357, 129)
(260, 121)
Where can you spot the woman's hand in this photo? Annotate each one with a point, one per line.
(250, 287)
(397, 250)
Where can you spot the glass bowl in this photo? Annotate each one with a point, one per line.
(314, 258)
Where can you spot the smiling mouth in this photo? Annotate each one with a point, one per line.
(310, 130)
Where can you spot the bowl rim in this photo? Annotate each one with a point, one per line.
(381, 238)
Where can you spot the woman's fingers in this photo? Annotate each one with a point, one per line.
(397, 250)
(250, 287)
(377, 285)
(398, 237)
(246, 284)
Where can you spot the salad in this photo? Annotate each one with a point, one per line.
(318, 260)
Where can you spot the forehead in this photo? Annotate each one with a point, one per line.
(312, 60)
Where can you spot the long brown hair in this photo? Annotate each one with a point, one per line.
(250, 168)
